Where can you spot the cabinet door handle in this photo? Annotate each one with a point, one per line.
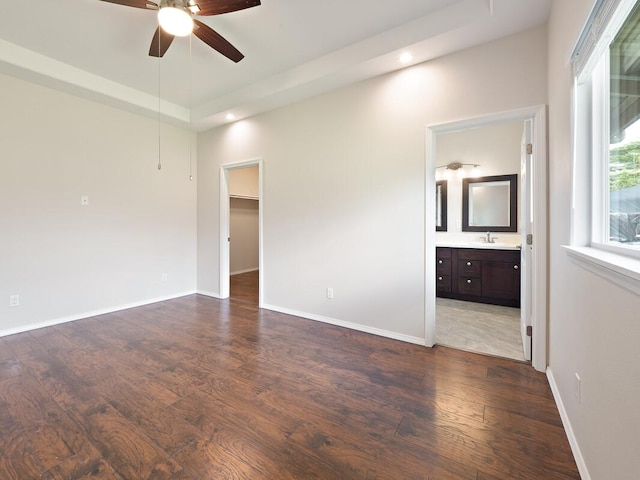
(439, 262)
(468, 264)
(516, 267)
(468, 281)
(439, 278)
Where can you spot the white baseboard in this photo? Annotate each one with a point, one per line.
(245, 271)
(573, 442)
(93, 313)
(209, 294)
(350, 325)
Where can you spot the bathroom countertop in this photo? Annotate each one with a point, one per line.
(490, 246)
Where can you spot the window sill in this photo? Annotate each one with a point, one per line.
(620, 269)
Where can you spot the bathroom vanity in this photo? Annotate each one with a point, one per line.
(486, 273)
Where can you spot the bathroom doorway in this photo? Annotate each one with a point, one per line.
(467, 161)
(527, 323)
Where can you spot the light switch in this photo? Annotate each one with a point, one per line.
(84, 200)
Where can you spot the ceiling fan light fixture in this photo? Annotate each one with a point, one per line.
(175, 21)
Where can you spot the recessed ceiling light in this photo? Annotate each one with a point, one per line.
(406, 57)
(231, 116)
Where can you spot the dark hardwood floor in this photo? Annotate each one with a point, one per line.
(244, 287)
(198, 388)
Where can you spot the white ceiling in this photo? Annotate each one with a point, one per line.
(293, 49)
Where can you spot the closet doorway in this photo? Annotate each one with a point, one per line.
(241, 232)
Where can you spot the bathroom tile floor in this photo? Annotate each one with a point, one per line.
(477, 327)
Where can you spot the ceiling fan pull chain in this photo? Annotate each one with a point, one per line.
(159, 123)
(190, 95)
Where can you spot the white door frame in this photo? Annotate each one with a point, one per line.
(538, 290)
(527, 252)
(224, 226)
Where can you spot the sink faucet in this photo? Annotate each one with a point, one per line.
(488, 238)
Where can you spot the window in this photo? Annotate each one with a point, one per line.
(607, 120)
(623, 166)
(606, 158)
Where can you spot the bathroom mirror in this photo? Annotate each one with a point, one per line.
(441, 206)
(490, 204)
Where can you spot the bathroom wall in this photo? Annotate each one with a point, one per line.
(496, 149)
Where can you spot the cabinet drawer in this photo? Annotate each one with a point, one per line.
(469, 268)
(443, 266)
(443, 283)
(469, 286)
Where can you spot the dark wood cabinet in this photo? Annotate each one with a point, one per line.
(443, 270)
(479, 275)
(501, 280)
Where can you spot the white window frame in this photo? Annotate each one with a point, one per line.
(590, 245)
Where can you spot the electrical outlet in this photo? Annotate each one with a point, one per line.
(578, 388)
(14, 300)
(164, 277)
(329, 292)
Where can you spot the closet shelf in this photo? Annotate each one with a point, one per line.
(244, 197)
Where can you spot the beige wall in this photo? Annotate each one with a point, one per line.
(243, 231)
(344, 178)
(243, 182)
(69, 261)
(594, 324)
(244, 222)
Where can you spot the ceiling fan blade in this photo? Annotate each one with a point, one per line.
(160, 43)
(216, 41)
(216, 7)
(147, 5)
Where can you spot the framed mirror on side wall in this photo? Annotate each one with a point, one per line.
(490, 204)
(441, 206)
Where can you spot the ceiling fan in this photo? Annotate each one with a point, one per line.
(176, 20)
